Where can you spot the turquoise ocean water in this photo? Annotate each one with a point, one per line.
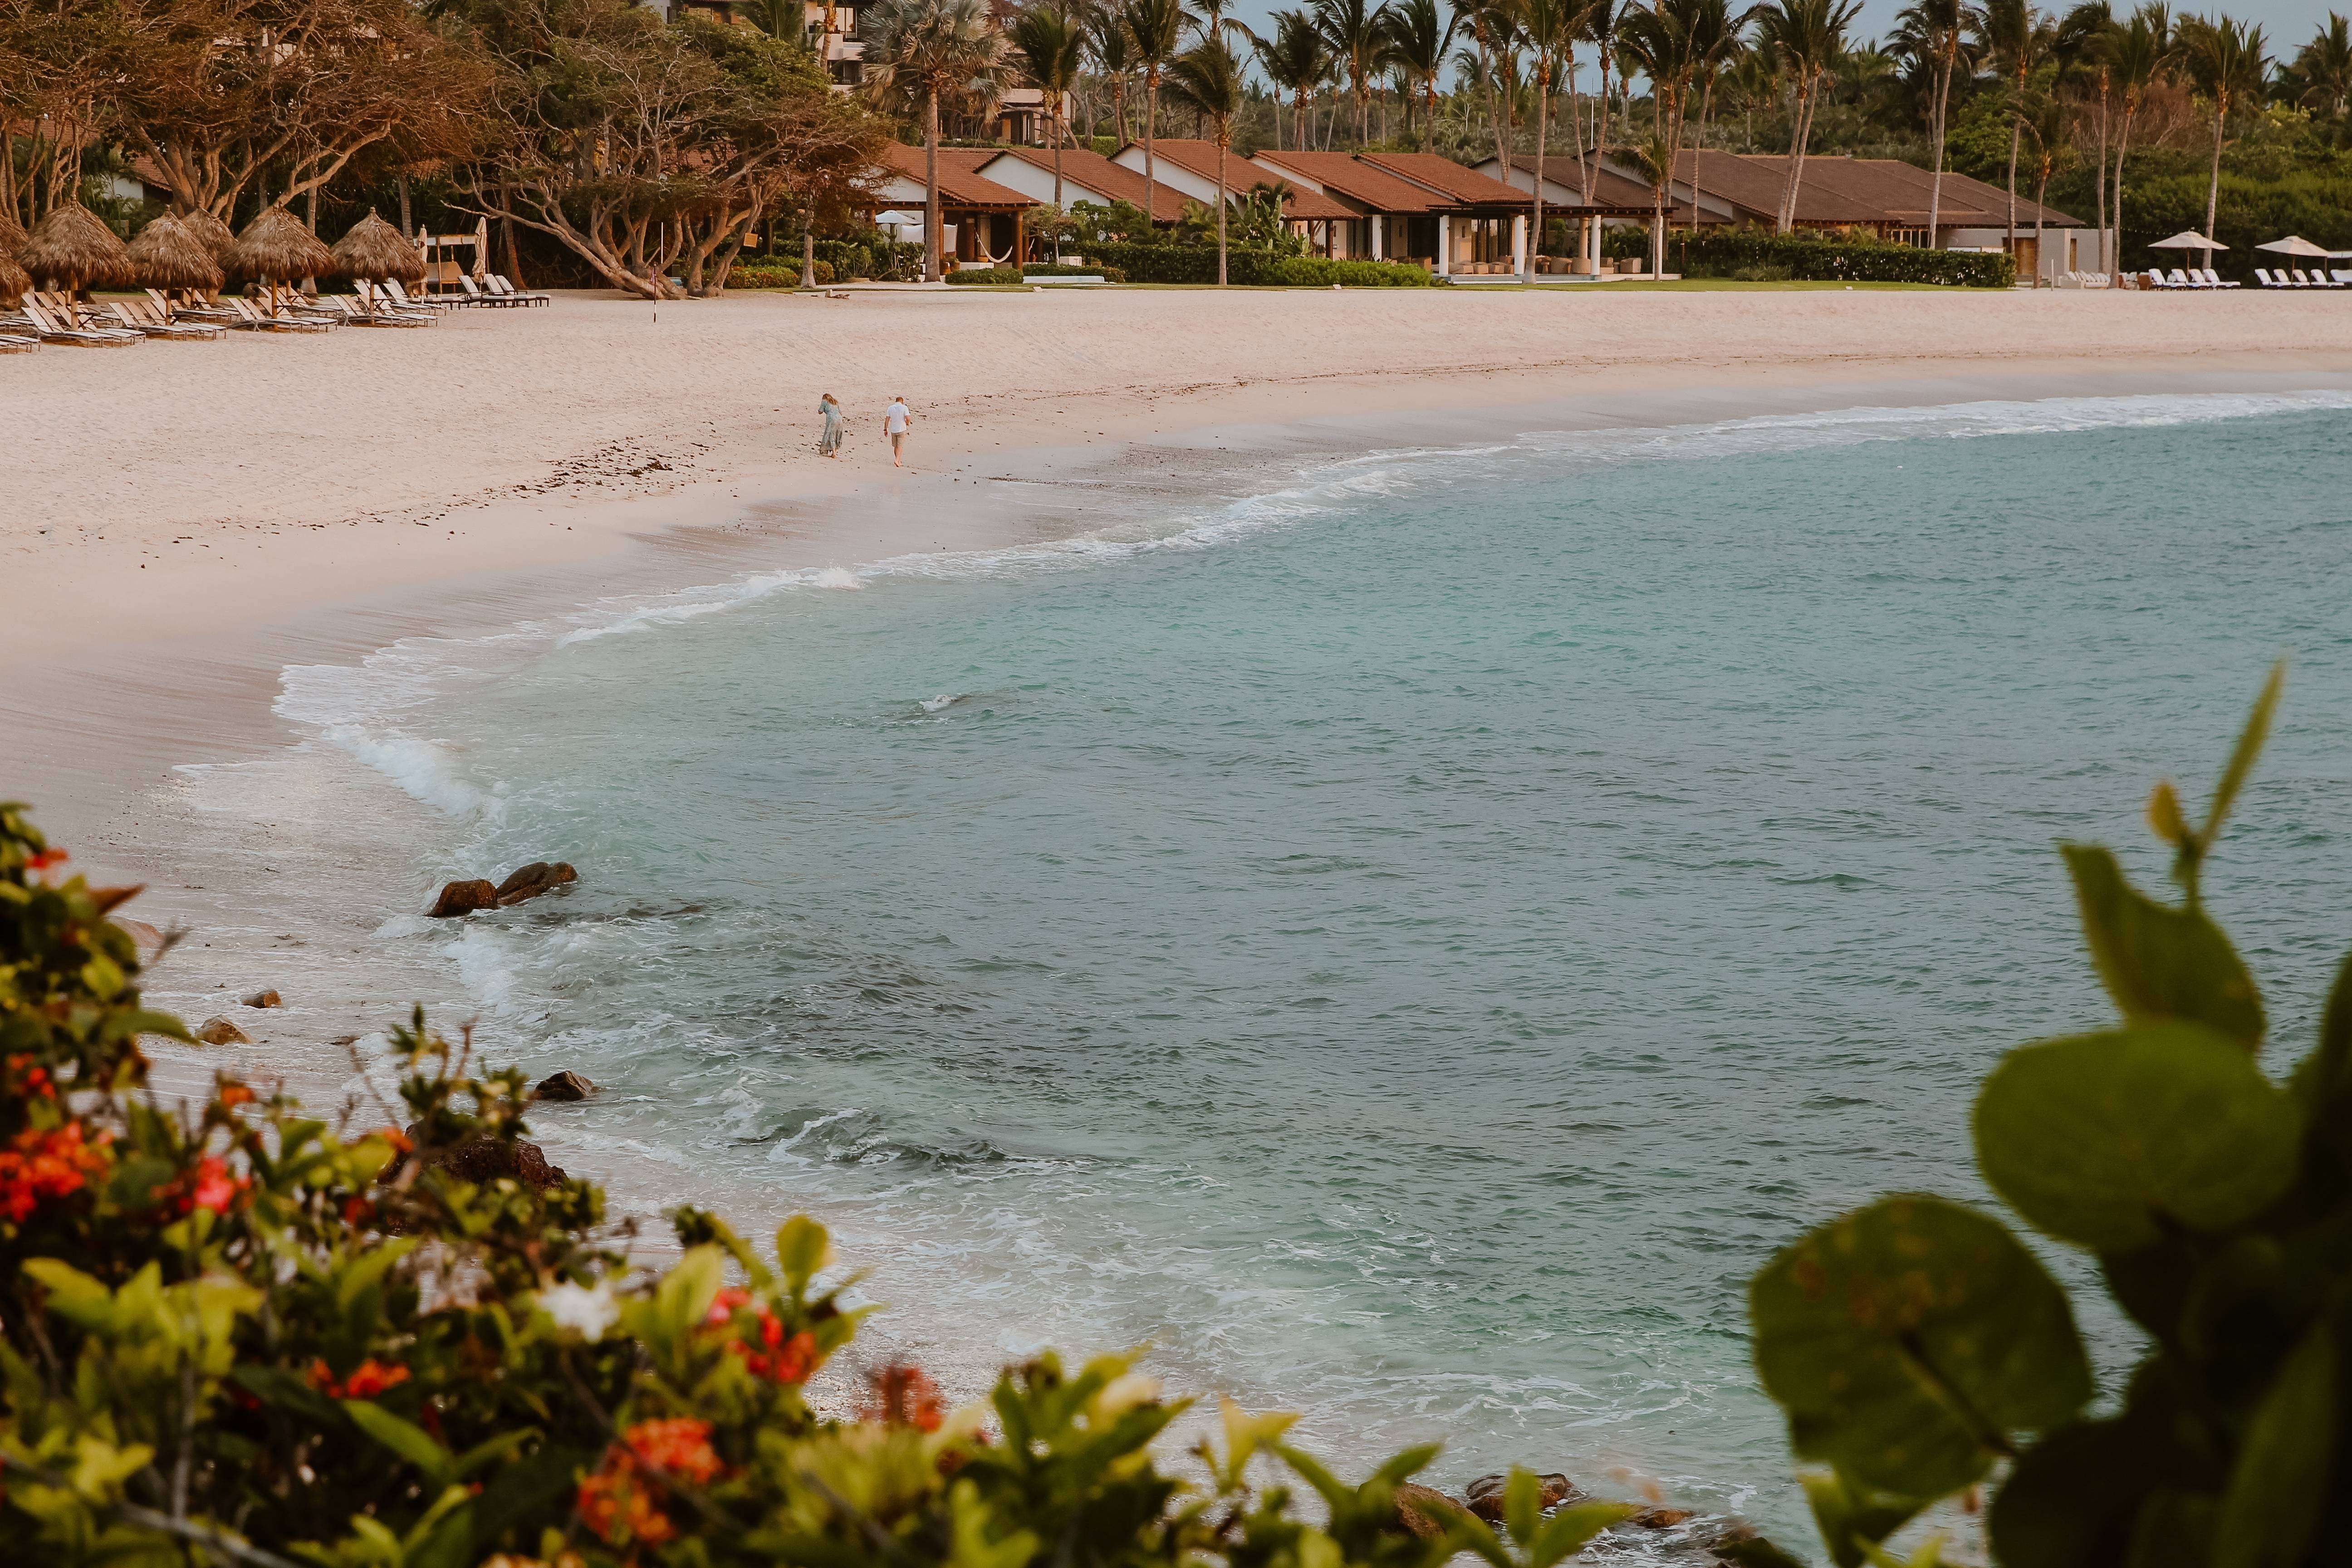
(1408, 946)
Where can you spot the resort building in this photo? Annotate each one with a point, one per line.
(1889, 198)
(1086, 176)
(1190, 167)
(1406, 206)
(981, 223)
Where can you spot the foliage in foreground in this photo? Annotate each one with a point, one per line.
(235, 1334)
(1918, 1346)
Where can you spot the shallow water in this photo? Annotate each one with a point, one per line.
(1410, 946)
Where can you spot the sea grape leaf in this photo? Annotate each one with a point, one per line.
(2279, 1485)
(1853, 1518)
(2072, 1497)
(2323, 1080)
(2159, 961)
(1905, 1340)
(2094, 1136)
(2174, 1530)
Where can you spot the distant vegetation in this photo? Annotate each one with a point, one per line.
(1921, 1348)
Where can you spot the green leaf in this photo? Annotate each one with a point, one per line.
(1909, 1339)
(2098, 1138)
(73, 1295)
(2072, 1497)
(2323, 1080)
(2241, 759)
(2157, 962)
(1853, 1518)
(1565, 1533)
(406, 1438)
(803, 1248)
(276, 1385)
(1755, 1552)
(2280, 1483)
(2174, 1530)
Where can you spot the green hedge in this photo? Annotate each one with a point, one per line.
(1066, 269)
(784, 275)
(1256, 268)
(1849, 259)
(985, 275)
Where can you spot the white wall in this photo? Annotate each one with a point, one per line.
(1199, 187)
(2087, 252)
(1020, 174)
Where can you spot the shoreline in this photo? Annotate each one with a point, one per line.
(113, 734)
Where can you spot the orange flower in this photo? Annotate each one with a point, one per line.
(51, 1164)
(370, 1378)
(786, 1360)
(617, 1508)
(27, 1078)
(904, 1396)
(617, 1502)
(44, 860)
(681, 1446)
(236, 1094)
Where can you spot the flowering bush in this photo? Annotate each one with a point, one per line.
(242, 1335)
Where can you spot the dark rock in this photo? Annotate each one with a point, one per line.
(464, 898)
(1424, 1511)
(221, 1032)
(1486, 1494)
(530, 881)
(1660, 1518)
(565, 1085)
(264, 999)
(480, 1160)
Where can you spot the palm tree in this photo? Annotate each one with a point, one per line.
(1658, 39)
(2322, 73)
(1358, 37)
(2017, 38)
(1807, 37)
(1717, 38)
(1600, 20)
(2140, 55)
(1154, 28)
(919, 53)
(1106, 40)
(1051, 49)
(1293, 60)
(1489, 26)
(2085, 41)
(1546, 25)
(2227, 60)
(1654, 156)
(1939, 29)
(2045, 121)
(1208, 80)
(1418, 42)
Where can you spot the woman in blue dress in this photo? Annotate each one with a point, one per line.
(828, 443)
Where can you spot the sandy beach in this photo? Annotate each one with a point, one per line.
(185, 521)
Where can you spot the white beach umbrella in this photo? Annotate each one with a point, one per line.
(2187, 239)
(2295, 244)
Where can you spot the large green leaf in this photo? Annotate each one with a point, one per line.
(1909, 1339)
(2073, 1498)
(2161, 962)
(2097, 1138)
(2279, 1485)
(1853, 1518)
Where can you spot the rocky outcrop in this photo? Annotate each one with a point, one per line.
(264, 999)
(480, 1160)
(221, 1032)
(1424, 1511)
(565, 1085)
(464, 898)
(530, 881)
(1486, 1494)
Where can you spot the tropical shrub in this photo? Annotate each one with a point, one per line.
(237, 1333)
(1071, 269)
(1195, 263)
(1919, 1347)
(997, 275)
(1842, 257)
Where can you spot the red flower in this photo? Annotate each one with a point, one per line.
(904, 1396)
(723, 1305)
(616, 1504)
(208, 1186)
(30, 1079)
(46, 859)
(358, 1211)
(236, 1094)
(51, 1164)
(786, 1360)
(368, 1379)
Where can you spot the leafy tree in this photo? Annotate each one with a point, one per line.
(1937, 32)
(1295, 60)
(1359, 37)
(1153, 29)
(1918, 1346)
(2230, 63)
(1808, 37)
(1051, 49)
(920, 54)
(1208, 80)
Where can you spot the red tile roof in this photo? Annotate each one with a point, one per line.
(1840, 190)
(958, 186)
(1609, 189)
(1096, 172)
(1467, 186)
(1200, 158)
(1373, 188)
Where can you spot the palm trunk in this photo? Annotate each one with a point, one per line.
(2213, 186)
(1576, 125)
(808, 250)
(407, 222)
(2102, 182)
(1936, 185)
(2122, 148)
(1543, 134)
(1224, 139)
(2041, 188)
(933, 270)
(1706, 109)
(2016, 135)
(1150, 122)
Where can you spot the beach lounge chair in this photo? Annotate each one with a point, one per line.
(379, 299)
(17, 342)
(196, 311)
(2178, 279)
(254, 315)
(402, 298)
(50, 330)
(472, 293)
(2263, 276)
(2215, 280)
(140, 316)
(357, 314)
(505, 290)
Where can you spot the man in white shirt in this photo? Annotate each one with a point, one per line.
(895, 420)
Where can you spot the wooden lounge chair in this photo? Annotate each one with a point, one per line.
(255, 316)
(470, 293)
(16, 343)
(402, 297)
(49, 331)
(140, 316)
(378, 298)
(504, 289)
(354, 313)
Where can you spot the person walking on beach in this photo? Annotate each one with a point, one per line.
(894, 425)
(828, 442)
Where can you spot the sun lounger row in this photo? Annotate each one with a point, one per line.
(60, 317)
(2194, 278)
(2081, 280)
(2286, 278)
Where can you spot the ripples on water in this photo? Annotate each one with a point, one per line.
(1408, 947)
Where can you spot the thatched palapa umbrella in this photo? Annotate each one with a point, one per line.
(375, 250)
(14, 281)
(275, 248)
(211, 233)
(72, 249)
(12, 234)
(168, 255)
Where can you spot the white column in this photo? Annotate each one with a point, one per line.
(1519, 245)
(1374, 223)
(1445, 244)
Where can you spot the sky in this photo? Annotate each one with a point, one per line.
(2287, 23)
